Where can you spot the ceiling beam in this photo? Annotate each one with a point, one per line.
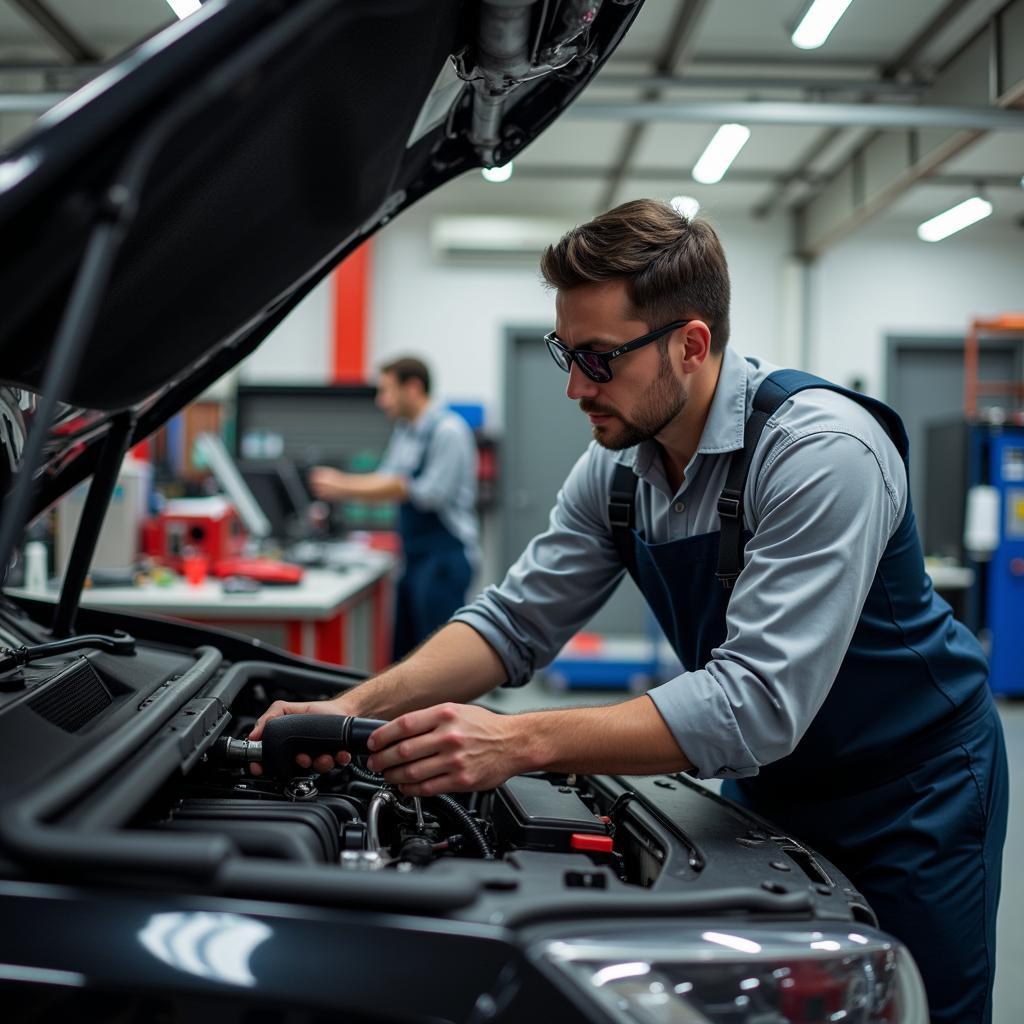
(47, 77)
(804, 83)
(746, 176)
(795, 64)
(681, 39)
(29, 103)
(981, 117)
(57, 31)
(989, 69)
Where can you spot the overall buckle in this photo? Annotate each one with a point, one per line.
(620, 513)
(730, 507)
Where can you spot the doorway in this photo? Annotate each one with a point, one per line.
(549, 434)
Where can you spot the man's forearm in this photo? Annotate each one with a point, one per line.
(456, 664)
(631, 738)
(375, 487)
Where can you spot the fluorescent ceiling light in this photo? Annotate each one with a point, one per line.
(685, 206)
(818, 22)
(721, 151)
(183, 8)
(502, 173)
(956, 219)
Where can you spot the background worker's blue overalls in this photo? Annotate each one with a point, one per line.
(901, 778)
(436, 576)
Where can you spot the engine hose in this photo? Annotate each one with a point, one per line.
(458, 811)
(366, 776)
(453, 806)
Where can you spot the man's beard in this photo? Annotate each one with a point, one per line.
(662, 402)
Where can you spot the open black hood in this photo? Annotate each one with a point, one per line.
(262, 140)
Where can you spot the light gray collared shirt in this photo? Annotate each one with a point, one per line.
(826, 491)
(447, 484)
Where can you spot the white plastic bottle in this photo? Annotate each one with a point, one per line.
(36, 571)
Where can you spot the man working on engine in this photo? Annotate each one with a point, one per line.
(429, 469)
(766, 518)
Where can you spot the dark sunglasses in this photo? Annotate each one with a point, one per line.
(596, 364)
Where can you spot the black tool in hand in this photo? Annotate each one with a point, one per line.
(288, 735)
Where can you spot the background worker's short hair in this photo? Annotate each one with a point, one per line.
(409, 368)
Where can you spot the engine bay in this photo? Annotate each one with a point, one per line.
(351, 818)
(115, 766)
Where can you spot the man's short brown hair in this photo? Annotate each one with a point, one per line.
(673, 267)
(409, 368)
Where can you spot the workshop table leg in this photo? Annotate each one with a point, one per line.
(382, 609)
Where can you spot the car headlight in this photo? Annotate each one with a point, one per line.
(764, 974)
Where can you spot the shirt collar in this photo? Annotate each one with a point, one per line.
(723, 431)
(423, 422)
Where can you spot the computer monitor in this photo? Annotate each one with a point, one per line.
(281, 494)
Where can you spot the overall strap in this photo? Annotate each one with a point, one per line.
(774, 390)
(622, 514)
(427, 439)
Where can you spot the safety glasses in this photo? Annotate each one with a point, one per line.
(597, 365)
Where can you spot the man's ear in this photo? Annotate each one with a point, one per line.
(692, 343)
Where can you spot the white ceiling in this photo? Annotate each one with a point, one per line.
(566, 172)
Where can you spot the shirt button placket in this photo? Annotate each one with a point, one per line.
(679, 527)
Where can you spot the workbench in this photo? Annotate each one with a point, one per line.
(340, 615)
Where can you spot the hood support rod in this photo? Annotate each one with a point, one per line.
(69, 347)
(101, 490)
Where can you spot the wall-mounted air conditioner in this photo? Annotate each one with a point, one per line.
(494, 239)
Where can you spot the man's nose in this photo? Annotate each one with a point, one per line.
(580, 385)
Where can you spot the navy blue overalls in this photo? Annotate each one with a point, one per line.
(436, 577)
(901, 778)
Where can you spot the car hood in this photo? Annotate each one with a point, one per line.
(261, 142)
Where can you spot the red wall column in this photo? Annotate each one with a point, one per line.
(351, 316)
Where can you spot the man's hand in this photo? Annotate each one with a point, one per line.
(449, 748)
(328, 484)
(324, 763)
(333, 485)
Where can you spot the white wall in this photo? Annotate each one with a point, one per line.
(883, 280)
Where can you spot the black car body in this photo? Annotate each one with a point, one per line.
(157, 226)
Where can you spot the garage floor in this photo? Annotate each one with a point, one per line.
(1009, 994)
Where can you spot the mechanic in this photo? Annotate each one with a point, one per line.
(826, 683)
(429, 467)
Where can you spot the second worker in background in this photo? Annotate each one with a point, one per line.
(429, 468)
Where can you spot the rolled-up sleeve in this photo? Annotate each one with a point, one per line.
(825, 505)
(558, 583)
